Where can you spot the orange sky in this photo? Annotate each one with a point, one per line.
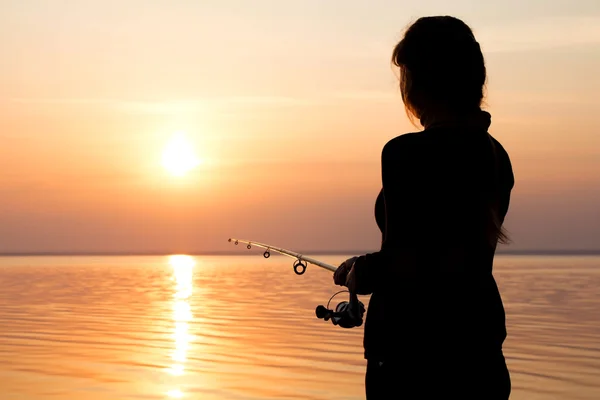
(288, 104)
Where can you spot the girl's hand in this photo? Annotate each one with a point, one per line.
(351, 280)
(340, 276)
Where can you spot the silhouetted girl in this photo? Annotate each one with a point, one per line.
(435, 323)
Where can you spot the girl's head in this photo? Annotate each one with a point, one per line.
(442, 70)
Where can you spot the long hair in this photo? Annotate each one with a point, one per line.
(442, 70)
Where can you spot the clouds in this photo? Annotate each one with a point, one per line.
(540, 34)
(198, 105)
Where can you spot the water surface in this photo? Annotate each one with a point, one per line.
(243, 327)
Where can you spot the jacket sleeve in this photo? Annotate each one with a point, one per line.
(398, 180)
(507, 183)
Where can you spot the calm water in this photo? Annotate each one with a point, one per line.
(243, 327)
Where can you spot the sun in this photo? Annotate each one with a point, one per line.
(178, 156)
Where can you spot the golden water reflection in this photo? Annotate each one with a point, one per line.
(176, 394)
(183, 273)
(109, 328)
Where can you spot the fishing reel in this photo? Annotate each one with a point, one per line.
(347, 314)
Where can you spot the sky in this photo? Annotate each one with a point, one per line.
(286, 105)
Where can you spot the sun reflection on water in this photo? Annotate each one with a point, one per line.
(183, 267)
(175, 393)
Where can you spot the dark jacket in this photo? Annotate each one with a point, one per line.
(432, 286)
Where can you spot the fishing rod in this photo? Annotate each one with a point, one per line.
(347, 314)
(301, 261)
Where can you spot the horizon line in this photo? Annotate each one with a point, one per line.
(539, 252)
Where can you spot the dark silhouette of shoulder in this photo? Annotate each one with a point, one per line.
(404, 145)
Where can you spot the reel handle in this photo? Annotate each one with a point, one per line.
(322, 312)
